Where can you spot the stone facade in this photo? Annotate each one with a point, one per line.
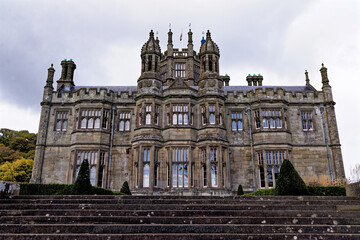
(183, 129)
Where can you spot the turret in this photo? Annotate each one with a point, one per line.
(66, 81)
(48, 89)
(325, 84)
(209, 55)
(149, 81)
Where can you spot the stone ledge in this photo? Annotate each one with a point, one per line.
(9, 189)
(353, 189)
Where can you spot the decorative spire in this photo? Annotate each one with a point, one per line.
(324, 76)
(170, 37)
(50, 78)
(208, 34)
(151, 34)
(307, 77)
(190, 40)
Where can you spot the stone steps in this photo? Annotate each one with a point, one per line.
(171, 217)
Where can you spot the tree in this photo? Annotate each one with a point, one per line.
(240, 190)
(7, 154)
(125, 188)
(82, 185)
(355, 173)
(289, 181)
(17, 171)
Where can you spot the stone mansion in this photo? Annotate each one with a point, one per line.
(183, 129)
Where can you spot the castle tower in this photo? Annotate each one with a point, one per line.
(149, 81)
(43, 127)
(333, 134)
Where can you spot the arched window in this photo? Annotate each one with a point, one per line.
(83, 123)
(64, 126)
(58, 126)
(233, 125)
(185, 119)
(278, 122)
(239, 125)
(148, 118)
(127, 125)
(180, 118)
(272, 123)
(91, 123)
(212, 118)
(97, 123)
(214, 171)
(265, 123)
(174, 119)
(121, 125)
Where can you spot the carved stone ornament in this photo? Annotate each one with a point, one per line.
(201, 85)
(212, 136)
(140, 85)
(148, 83)
(147, 137)
(158, 85)
(212, 83)
(220, 84)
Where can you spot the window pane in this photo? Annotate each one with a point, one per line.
(310, 124)
(92, 175)
(213, 175)
(121, 126)
(185, 119)
(146, 175)
(265, 123)
(180, 176)
(262, 177)
(91, 123)
(83, 123)
(127, 125)
(180, 119)
(174, 175)
(278, 123)
(64, 125)
(175, 119)
(212, 118)
(304, 124)
(272, 123)
(58, 126)
(148, 118)
(239, 125)
(186, 178)
(97, 123)
(269, 175)
(233, 124)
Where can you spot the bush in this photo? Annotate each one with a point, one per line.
(326, 191)
(82, 184)
(289, 181)
(125, 188)
(264, 192)
(44, 189)
(240, 190)
(101, 191)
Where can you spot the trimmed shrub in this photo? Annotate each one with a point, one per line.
(101, 191)
(125, 188)
(326, 191)
(82, 184)
(240, 190)
(44, 189)
(289, 181)
(264, 192)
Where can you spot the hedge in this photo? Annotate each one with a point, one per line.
(312, 191)
(58, 189)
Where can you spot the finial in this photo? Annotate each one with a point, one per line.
(189, 26)
(151, 34)
(324, 76)
(307, 77)
(208, 34)
(170, 27)
(52, 65)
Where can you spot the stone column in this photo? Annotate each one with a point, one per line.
(208, 166)
(141, 167)
(152, 167)
(220, 168)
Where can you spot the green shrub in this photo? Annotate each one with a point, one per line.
(125, 188)
(44, 189)
(82, 184)
(264, 192)
(289, 181)
(326, 191)
(101, 191)
(240, 190)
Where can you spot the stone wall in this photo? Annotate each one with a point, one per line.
(9, 189)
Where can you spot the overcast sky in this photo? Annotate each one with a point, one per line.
(278, 39)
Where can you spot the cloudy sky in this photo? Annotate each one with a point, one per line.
(278, 39)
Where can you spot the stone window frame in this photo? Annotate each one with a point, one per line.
(183, 110)
(93, 114)
(214, 170)
(124, 117)
(204, 170)
(61, 117)
(203, 114)
(212, 113)
(180, 156)
(97, 160)
(148, 110)
(180, 69)
(266, 162)
(236, 116)
(146, 151)
(269, 118)
(304, 116)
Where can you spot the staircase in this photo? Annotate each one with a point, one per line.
(179, 217)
